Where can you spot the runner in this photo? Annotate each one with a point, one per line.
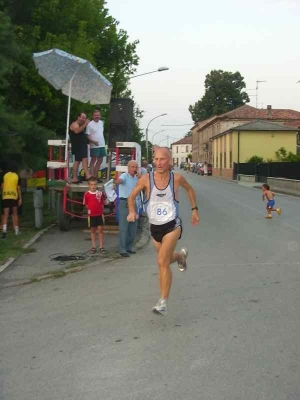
(161, 204)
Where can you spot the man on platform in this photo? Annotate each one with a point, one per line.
(97, 143)
(79, 146)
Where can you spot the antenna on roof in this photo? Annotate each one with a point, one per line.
(257, 82)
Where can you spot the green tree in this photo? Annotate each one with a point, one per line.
(188, 134)
(81, 27)
(255, 159)
(282, 155)
(223, 92)
(21, 136)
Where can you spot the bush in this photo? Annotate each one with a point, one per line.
(282, 155)
(255, 159)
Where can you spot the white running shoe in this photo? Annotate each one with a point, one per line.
(161, 307)
(182, 265)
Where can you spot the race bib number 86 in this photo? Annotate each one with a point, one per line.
(161, 211)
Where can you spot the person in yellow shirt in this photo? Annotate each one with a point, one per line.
(11, 198)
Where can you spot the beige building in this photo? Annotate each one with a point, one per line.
(204, 131)
(181, 149)
(258, 138)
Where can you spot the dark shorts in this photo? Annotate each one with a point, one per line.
(98, 152)
(79, 151)
(270, 204)
(159, 231)
(96, 221)
(8, 203)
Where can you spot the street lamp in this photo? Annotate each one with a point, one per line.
(156, 133)
(167, 137)
(161, 115)
(160, 69)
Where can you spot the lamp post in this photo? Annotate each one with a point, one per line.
(167, 137)
(156, 133)
(160, 69)
(158, 116)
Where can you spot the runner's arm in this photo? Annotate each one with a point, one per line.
(141, 185)
(192, 197)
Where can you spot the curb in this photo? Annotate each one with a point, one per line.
(143, 241)
(26, 245)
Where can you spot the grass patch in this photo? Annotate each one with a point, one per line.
(58, 274)
(12, 246)
(75, 264)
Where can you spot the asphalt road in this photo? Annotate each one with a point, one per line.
(232, 332)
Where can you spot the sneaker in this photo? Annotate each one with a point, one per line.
(160, 307)
(4, 235)
(268, 216)
(17, 233)
(279, 211)
(182, 264)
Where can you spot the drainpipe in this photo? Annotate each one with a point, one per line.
(238, 166)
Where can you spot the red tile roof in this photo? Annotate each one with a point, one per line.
(245, 112)
(285, 116)
(185, 140)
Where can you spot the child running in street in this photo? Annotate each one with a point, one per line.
(94, 201)
(269, 195)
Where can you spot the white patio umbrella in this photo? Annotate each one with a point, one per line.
(75, 77)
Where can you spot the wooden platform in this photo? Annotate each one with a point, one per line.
(74, 187)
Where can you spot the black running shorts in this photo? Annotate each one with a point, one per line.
(159, 231)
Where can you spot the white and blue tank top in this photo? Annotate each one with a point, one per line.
(161, 206)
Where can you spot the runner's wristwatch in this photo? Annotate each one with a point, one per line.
(195, 208)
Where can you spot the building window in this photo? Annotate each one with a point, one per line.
(186, 149)
(176, 149)
(230, 159)
(217, 161)
(221, 165)
(225, 165)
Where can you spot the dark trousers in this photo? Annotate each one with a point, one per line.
(127, 230)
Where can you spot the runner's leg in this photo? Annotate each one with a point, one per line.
(165, 256)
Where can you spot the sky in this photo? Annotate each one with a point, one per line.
(260, 39)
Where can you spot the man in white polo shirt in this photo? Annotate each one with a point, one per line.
(94, 131)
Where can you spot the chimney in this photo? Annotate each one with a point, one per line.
(269, 110)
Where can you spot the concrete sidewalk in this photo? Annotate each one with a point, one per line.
(39, 260)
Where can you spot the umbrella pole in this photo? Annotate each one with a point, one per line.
(67, 128)
(67, 157)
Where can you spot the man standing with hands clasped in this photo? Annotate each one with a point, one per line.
(161, 205)
(127, 231)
